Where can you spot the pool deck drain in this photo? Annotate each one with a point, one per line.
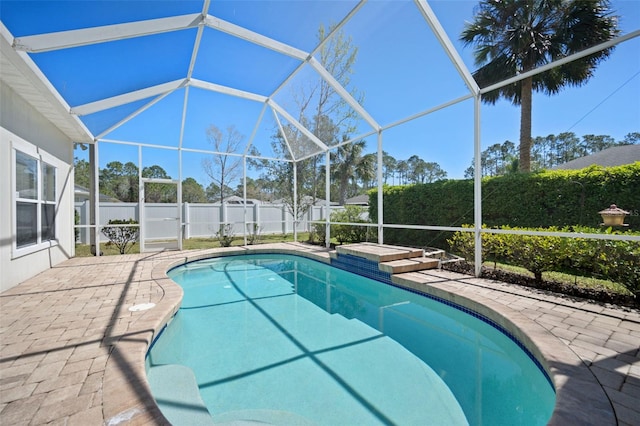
(71, 352)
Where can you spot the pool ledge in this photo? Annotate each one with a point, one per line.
(580, 398)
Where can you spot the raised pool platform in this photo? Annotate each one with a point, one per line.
(380, 261)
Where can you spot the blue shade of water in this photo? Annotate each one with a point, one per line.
(286, 340)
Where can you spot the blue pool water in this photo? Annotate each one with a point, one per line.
(286, 340)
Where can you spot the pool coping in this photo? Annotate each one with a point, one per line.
(580, 397)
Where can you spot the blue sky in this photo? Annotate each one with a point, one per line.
(400, 70)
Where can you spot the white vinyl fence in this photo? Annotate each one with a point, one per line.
(204, 220)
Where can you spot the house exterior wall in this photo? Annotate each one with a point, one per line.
(22, 125)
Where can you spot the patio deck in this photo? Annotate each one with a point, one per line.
(72, 353)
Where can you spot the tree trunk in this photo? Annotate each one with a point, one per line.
(525, 125)
(344, 184)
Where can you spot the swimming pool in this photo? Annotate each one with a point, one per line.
(285, 339)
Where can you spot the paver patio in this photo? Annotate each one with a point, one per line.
(72, 353)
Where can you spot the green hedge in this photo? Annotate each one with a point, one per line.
(552, 198)
(617, 261)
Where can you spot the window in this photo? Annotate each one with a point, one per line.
(35, 200)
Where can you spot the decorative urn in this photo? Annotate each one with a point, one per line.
(613, 216)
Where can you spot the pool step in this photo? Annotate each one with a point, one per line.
(392, 259)
(379, 252)
(176, 391)
(409, 265)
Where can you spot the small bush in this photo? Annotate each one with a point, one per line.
(225, 235)
(253, 233)
(122, 236)
(76, 221)
(349, 233)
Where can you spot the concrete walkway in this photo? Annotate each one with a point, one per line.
(71, 351)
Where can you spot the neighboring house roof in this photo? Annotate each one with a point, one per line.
(81, 193)
(614, 156)
(308, 200)
(360, 200)
(234, 199)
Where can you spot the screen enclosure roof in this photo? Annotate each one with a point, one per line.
(160, 73)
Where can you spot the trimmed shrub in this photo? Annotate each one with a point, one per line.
(122, 236)
(617, 261)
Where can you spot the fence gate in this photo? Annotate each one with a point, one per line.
(160, 222)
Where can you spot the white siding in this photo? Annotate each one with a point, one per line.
(20, 122)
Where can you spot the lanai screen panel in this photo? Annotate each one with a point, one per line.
(248, 64)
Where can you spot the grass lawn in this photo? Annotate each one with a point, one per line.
(84, 250)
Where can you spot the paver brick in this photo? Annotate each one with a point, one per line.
(7, 382)
(21, 410)
(620, 346)
(17, 392)
(587, 342)
(61, 394)
(632, 388)
(46, 371)
(61, 381)
(72, 367)
(577, 322)
(92, 416)
(64, 408)
(610, 379)
(594, 334)
(629, 325)
(92, 384)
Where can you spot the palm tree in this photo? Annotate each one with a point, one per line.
(516, 36)
(348, 165)
(366, 171)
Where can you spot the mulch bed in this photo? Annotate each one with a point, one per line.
(562, 289)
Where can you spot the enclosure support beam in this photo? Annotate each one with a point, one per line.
(127, 98)
(244, 196)
(446, 44)
(477, 187)
(94, 200)
(327, 201)
(295, 201)
(141, 214)
(179, 200)
(297, 125)
(380, 189)
(87, 36)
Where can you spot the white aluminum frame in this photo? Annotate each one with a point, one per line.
(84, 37)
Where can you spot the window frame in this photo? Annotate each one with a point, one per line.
(42, 158)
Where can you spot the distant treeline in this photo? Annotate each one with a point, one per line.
(546, 152)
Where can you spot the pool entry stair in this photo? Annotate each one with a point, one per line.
(379, 261)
